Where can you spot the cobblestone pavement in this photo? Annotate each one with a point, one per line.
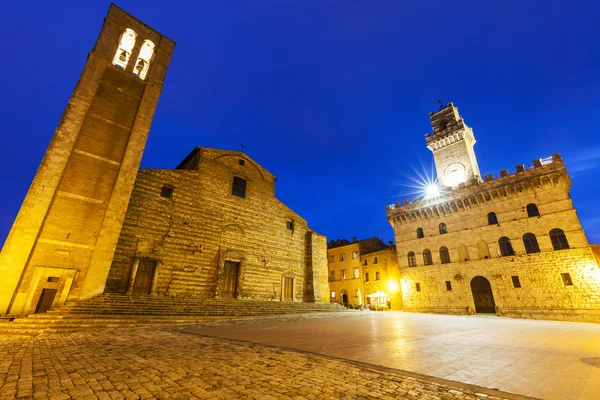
(542, 359)
(161, 363)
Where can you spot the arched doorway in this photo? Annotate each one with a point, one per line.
(344, 297)
(482, 295)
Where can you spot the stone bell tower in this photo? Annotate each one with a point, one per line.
(63, 239)
(452, 145)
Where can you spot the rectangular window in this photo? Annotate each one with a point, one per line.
(331, 259)
(52, 279)
(290, 226)
(239, 187)
(566, 277)
(333, 295)
(355, 254)
(448, 285)
(342, 257)
(342, 274)
(516, 281)
(331, 276)
(418, 287)
(375, 260)
(356, 273)
(166, 191)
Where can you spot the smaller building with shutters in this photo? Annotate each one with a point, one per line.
(213, 227)
(510, 244)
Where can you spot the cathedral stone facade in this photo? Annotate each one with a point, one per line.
(214, 228)
(510, 244)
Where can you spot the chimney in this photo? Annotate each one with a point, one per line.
(354, 240)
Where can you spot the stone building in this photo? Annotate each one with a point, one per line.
(510, 244)
(63, 239)
(194, 230)
(364, 272)
(213, 227)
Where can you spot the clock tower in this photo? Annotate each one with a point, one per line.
(452, 144)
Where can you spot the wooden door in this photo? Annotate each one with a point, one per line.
(482, 295)
(230, 279)
(288, 289)
(144, 277)
(46, 300)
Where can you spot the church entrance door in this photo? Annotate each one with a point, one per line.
(288, 289)
(46, 300)
(144, 277)
(344, 298)
(482, 295)
(230, 279)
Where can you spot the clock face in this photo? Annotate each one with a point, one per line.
(454, 174)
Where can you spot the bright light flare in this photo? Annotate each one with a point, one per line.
(393, 286)
(432, 190)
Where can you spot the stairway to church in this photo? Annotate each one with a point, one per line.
(122, 311)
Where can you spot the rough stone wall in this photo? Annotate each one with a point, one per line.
(203, 225)
(317, 285)
(464, 211)
(69, 222)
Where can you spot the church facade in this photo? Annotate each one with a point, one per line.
(510, 244)
(93, 223)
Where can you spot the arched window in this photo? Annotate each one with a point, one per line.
(483, 250)
(238, 188)
(377, 275)
(532, 210)
(125, 47)
(366, 277)
(443, 228)
(365, 263)
(427, 260)
(505, 246)
(420, 233)
(444, 255)
(492, 219)
(531, 243)
(412, 260)
(463, 253)
(559, 240)
(142, 64)
(375, 260)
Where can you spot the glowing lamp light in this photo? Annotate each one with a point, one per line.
(432, 190)
(393, 286)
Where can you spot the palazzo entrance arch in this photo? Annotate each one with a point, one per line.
(482, 295)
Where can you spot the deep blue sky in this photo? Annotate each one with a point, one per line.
(332, 97)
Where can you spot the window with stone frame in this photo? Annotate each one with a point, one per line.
(532, 210)
(516, 281)
(366, 277)
(354, 254)
(377, 275)
(427, 259)
(443, 228)
(420, 234)
(418, 287)
(331, 259)
(342, 257)
(531, 243)
(558, 239)
(444, 255)
(412, 259)
(331, 276)
(365, 263)
(505, 245)
(448, 285)
(239, 187)
(167, 191)
(289, 225)
(333, 295)
(566, 278)
(342, 274)
(375, 260)
(492, 219)
(356, 273)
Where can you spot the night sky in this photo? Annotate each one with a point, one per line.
(332, 97)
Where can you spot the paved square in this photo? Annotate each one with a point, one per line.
(544, 359)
